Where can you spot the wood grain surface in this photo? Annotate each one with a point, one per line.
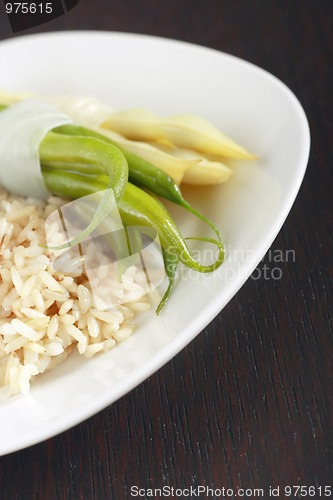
(248, 404)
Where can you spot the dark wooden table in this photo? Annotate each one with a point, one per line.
(248, 404)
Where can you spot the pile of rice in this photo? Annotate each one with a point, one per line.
(44, 313)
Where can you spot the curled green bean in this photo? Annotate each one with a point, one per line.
(143, 174)
(138, 208)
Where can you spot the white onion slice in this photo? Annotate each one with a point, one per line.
(22, 128)
(87, 111)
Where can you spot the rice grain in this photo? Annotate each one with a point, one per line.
(45, 313)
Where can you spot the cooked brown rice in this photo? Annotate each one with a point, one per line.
(45, 313)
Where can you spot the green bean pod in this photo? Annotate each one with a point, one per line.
(86, 155)
(138, 208)
(143, 174)
(171, 261)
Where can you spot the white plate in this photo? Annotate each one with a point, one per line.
(170, 77)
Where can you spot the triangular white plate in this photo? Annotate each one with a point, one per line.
(169, 77)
